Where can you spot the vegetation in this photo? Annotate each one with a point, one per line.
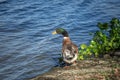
(104, 40)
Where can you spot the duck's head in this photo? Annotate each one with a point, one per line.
(60, 31)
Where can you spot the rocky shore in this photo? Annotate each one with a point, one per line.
(91, 69)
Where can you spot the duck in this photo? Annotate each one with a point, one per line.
(69, 49)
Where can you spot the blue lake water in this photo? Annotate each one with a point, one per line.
(27, 47)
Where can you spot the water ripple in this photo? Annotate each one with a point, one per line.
(27, 46)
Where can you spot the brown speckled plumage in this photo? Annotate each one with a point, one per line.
(69, 49)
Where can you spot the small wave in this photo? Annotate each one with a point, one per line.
(3, 1)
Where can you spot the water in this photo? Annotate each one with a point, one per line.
(27, 47)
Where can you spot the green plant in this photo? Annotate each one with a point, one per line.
(104, 40)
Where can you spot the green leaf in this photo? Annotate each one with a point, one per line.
(103, 26)
(107, 48)
(96, 54)
(83, 46)
(114, 21)
(105, 39)
(81, 57)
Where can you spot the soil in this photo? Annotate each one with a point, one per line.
(90, 69)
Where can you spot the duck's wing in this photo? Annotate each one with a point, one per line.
(75, 48)
(69, 52)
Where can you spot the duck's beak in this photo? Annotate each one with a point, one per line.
(54, 32)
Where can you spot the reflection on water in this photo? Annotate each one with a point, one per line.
(27, 47)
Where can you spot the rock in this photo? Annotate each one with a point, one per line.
(117, 53)
(84, 70)
(107, 56)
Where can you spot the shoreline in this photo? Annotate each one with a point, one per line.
(91, 69)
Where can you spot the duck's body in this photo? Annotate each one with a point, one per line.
(69, 50)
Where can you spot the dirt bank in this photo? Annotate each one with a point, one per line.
(92, 69)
